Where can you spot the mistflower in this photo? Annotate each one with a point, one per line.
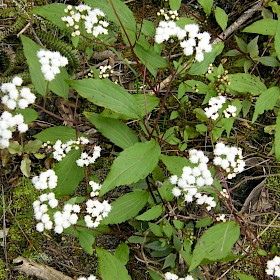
(273, 267)
(15, 98)
(50, 63)
(221, 218)
(193, 179)
(97, 211)
(168, 15)
(61, 149)
(229, 159)
(215, 103)
(105, 71)
(46, 180)
(190, 39)
(66, 218)
(230, 111)
(91, 277)
(93, 20)
(172, 276)
(8, 124)
(95, 188)
(86, 159)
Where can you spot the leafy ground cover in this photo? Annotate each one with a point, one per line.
(139, 139)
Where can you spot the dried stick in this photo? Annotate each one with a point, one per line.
(40, 271)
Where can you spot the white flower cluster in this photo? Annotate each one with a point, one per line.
(194, 178)
(221, 218)
(229, 159)
(97, 210)
(66, 218)
(8, 124)
(41, 207)
(230, 111)
(15, 98)
(273, 267)
(215, 103)
(51, 61)
(61, 149)
(105, 71)
(91, 277)
(86, 159)
(190, 38)
(173, 15)
(172, 276)
(46, 180)
(93, 20)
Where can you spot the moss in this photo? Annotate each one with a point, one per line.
(3, 271)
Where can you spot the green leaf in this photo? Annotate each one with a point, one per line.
(110, 267)
(167, 228)
(277, 138)
(198, 87)
(150, 58)
(53, 13)
(242, 276)
(266, 101)
(69, 173)
(206, 5)
(105, 93)
(25, 166)
(132, 165)
(277, 39)
(215, 243)
(30, 50)
(243, 82)
(199, 68)
(264, 27)
(154, 275)
(253, 48)
(151, 214)
(126, 207)
(29, 114)
(204, 223)
(52, 134)
(241, 44)
(32, 146)
(169, 261)
(174, 164)
(58, 85)
(268, 60)
(15, 148)
(116, 131)
(122, 253)
(174, 4)
(221, 18)
(156, 229)
(86, 240)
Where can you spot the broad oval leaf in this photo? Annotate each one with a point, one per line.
(115, 130)
(53, 13)
(110, 267)
(268, 60)
(266, 26)
(132, 165)
(266, 101)
(221, 18)
(243, 82)
(122, 253)
(86, 240)
(29, 114)
(105, 93)
(52, 134)
(206, 5)
(215, 243)
(199, 68)
(151, 214)
(69, 174)
(126, 207)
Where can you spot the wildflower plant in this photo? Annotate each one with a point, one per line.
(165, 173)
